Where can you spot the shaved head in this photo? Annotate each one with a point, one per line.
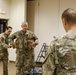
(24, 26)
(24, 23)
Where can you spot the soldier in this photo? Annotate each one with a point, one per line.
(63, 50)
(25, 42)
(3, 49)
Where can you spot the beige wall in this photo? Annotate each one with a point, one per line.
(31, 14)
(5, 4)
(47, 19)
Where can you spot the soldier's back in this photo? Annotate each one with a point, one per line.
(66, 54)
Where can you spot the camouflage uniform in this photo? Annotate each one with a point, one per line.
(47, 67)
(62, 57)
(4, 52)
(24, 51)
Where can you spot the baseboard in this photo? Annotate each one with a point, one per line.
(11, 61)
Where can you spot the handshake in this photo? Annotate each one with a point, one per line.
(13, 45)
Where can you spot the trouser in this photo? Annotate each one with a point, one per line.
(21, 71)
(4, 60)
(5, 67)
(24, 62)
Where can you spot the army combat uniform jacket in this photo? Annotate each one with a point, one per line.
(3, 52)
(62, 57)
(3, 44)
(24, 51)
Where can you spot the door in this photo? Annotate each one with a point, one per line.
(3, 24)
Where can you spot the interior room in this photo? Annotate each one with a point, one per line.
(43, 17)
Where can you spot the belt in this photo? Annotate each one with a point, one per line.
(24, 52)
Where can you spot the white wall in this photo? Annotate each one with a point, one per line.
(17, 16)
(5, 4)
(17, 13)
(48, 20)
(49, 12)
(64, 4)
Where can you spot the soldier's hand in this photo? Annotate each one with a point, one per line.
(14, 45)
(33, 44)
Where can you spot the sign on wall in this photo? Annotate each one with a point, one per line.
(2, 11)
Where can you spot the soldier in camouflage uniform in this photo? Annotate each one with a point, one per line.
(25, 42)
(62, 56)
(3, 49)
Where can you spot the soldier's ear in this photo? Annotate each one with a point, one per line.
(64, 22)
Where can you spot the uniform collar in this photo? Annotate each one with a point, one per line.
(71, 31)
(5, 35)
(24, 32)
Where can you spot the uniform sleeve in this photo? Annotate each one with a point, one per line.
(3, 45)
(12, 37)
(35, 38)
(49, 59)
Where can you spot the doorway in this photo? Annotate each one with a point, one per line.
(3, 25)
